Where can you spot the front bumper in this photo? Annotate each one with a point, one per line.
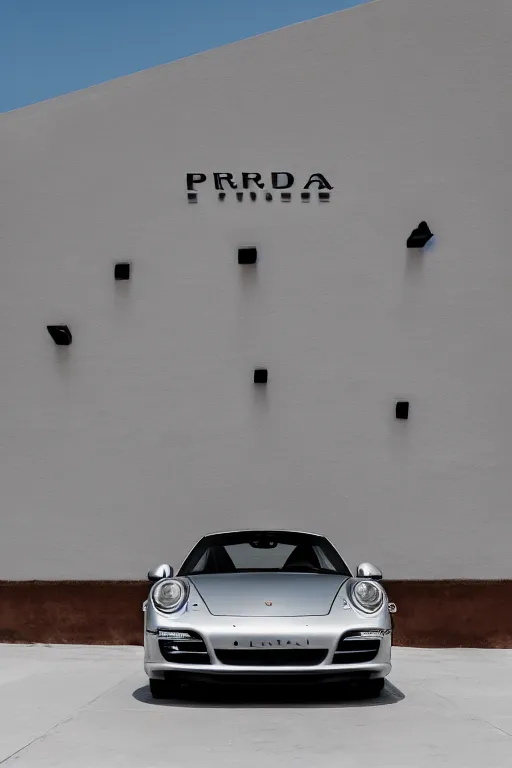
(318, 645)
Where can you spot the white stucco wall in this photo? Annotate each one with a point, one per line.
(118, 452)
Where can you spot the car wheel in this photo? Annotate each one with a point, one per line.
(163, 689)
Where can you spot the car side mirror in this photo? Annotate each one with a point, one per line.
(160, 572)
(369, 571)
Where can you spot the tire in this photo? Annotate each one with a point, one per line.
(163, 689)
(371, 689)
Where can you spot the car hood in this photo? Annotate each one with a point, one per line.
(268, 594)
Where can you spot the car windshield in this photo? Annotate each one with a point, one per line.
(260, 551)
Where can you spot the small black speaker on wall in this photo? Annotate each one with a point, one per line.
(60, 334)
(247, 255)
(402, 410)
(420, 236)
(260, 376)
(122, 271)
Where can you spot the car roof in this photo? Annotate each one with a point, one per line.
(261, 530)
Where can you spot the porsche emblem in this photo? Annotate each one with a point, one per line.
(268, 602)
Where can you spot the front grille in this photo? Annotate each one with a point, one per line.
(354, 649)
(272, 657)
(184, 650)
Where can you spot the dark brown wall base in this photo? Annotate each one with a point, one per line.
(452, 614)
(83, 612)
(431, 614)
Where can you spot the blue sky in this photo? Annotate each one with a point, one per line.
(50, 47)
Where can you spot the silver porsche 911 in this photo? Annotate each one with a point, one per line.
(266, 605)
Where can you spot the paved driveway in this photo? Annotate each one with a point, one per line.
(89, 707)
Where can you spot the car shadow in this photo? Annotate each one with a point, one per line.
(226, 696)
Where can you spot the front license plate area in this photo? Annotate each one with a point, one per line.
(273, 642)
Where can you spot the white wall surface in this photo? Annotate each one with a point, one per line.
(120, 451)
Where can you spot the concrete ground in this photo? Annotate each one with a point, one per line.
(90, 707)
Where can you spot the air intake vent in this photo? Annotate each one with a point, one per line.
(183, 648)
(354, 649)
(272, 657)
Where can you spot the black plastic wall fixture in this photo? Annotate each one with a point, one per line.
(192, 197)
(402, 410)
(260, 376)
(122, 270)
(60, 334)
(420, 236)
(324, 197)
(247, 255)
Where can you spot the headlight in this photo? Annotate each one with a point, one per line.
(170, 595)
(368, 596)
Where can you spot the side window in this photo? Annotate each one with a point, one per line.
(324, 560)
(201, 564)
